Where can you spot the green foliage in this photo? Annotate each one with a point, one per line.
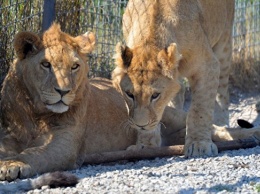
(250, 1)
(257, 188)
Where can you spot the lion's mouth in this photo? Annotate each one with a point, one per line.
(58, 107)
(148, 128)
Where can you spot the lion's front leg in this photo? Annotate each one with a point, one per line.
(204, 85)
(13, 169)
(58, 153)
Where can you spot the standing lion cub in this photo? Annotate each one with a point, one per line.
(166, 39)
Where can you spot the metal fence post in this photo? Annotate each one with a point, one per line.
(48, 13)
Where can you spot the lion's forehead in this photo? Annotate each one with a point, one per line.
(61, 56)
(144, 81)
(144, 76)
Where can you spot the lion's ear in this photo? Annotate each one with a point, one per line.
(86, 42)
(169, 59)
(123, 59)
(26, 43)
(123, 56)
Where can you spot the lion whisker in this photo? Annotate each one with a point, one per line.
(163, 124)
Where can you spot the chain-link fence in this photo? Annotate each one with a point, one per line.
(246, 33)
(76, 17)
(246, 45)
(16, 16)
(104, 18)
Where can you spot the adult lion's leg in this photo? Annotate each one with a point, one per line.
(204, 83)
(8, 146)
(58, 153)
(223, 51)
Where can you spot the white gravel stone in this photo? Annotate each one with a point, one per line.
(236, 171)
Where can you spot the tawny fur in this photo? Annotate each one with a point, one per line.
(165, 39)
(53, 115)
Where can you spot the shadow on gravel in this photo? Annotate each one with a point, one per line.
(88, 171)
(236, 187)
(240, 152)
(93, 170)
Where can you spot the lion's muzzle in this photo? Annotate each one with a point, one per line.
(58, 101)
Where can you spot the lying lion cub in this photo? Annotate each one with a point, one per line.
(52, 115)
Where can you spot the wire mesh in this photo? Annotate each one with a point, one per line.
(16, 15)
(76, 17)
(101, 17)
(246, 31)
(246, 46)
(104, 18)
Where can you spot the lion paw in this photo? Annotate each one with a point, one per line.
(200, 148)
(135, 147)
(11, 170)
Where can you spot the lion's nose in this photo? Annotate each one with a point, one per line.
(62, 92)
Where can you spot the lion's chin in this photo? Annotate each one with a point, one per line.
(58, 107)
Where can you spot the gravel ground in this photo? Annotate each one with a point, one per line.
(235, 171)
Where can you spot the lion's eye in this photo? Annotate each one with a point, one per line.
(129, 94)
(75, 66)
(155, 96)
(46, 65)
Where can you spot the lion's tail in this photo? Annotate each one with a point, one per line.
(52, 179)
